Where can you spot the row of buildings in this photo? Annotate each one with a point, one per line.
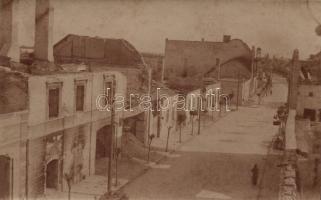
(50, 124)
(303, 129)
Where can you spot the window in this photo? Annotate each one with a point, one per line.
(80, 97)
(53, 101)
(80, 94)
(310, 94)
(309, 114)
(108, 92)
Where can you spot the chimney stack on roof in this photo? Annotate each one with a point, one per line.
(202, 40)
(44, 30)
(226, 38)
(13, 21)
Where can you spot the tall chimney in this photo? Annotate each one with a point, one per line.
(44, 30)
(5, 26)
(17, 26)
(226, 38)
(294, 80)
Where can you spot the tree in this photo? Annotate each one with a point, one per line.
(181, 117)
(68, 178)
(151, 137)
(193, 113)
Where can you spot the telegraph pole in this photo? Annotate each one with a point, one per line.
(112, 124)
(237, 90)
(199, 104)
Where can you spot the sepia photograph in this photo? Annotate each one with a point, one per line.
(160, 99)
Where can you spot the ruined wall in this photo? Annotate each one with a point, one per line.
(309, 97)
(77, 153)
(14, 92)
(36, 167)
(13, 132)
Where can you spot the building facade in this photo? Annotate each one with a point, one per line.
(62, 132)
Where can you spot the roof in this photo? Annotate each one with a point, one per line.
(76, 49)
(204, 54)
(196, 58)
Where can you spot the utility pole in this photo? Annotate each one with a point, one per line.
(199, 115)
(252, 63)
(237, 90)
(167, 139)
(218, 65)
(112, 124)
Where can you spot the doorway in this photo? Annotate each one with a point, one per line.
(103, 142)
(52, 174)
(5, 177)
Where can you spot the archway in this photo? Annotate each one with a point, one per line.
(52, 174)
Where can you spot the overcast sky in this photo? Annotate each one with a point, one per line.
(277, 27)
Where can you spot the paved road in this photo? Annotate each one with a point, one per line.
(217, 163)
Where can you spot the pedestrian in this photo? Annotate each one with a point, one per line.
(255, 174)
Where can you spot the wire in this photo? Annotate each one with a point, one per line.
(311, 13)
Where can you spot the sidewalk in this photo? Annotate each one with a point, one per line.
(159, 144)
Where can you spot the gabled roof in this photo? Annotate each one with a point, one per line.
(77, 49)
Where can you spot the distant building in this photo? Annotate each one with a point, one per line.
(205, 58)
(155, 62)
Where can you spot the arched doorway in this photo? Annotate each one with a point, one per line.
(5, 177)
(103, 142)
(52, 170)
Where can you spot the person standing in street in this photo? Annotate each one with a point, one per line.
(255, 174)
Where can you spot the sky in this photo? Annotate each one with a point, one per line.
(278, 27)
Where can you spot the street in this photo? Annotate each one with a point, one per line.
(217, 164)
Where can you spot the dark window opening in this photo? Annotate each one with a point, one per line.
(80, 97)
(53, 102)
(5, 177)
(309, 114)
(310, 94)
(108, 92)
